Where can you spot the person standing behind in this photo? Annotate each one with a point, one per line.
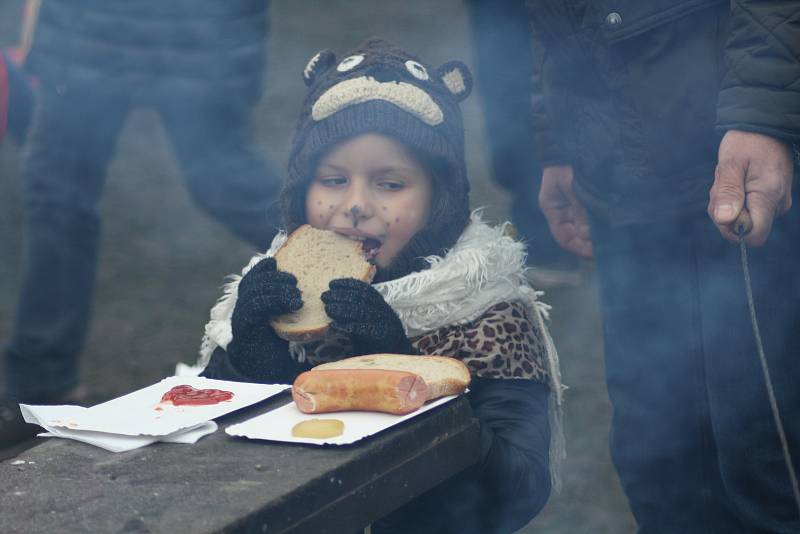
(656, 116)
(502, 45)
(200, 64)
(16, 100)
(16, 107)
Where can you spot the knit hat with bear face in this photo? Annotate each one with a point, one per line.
(379, 88)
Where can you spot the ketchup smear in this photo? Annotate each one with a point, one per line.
(186, 395)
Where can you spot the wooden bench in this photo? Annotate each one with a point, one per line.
(230, 484)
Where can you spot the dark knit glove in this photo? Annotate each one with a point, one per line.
(256, 350)
(359, 312)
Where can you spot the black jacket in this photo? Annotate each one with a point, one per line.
(637, 94)
(153, 47)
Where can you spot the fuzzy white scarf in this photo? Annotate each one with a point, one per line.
(484, 267)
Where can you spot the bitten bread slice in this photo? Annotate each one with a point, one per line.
(316, 257)
(443, 375)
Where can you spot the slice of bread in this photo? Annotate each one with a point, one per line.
(443, 375)
(316, 257)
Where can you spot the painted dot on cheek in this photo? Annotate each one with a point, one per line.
(397, 219)
(320, 216)
(383, 208)
(319, 203)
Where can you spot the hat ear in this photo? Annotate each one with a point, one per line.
(322, 61)
(457, 78)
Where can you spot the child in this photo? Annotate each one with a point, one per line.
(378, 155)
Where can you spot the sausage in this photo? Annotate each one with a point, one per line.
(376, 390)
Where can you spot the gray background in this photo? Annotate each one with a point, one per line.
(162, 261)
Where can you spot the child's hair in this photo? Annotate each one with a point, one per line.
(379, 88)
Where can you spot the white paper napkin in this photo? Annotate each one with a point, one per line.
(37, 415)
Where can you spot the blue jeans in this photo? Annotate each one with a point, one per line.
(20, 99)
(72, 140)
(504, 59)
(693, 438)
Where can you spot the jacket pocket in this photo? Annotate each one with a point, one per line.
(671, 79)
(623, 19)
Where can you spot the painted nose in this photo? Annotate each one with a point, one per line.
(358, 207)
(358, 212)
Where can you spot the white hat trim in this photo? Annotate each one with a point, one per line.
(354, 91)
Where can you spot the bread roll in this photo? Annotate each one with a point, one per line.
(316, 257)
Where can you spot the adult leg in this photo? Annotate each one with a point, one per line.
(20, 98)
(755, 476)
(504, 71)
(225, 174)
(661, 439)
(72, 139)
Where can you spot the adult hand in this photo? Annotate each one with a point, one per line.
(360, 312)
(565, 215)
(754, 172)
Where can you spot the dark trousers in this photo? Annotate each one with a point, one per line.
(20, 100)
(72, 140)
(504, 60)
(693, 438)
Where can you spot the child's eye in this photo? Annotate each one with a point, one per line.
(332, 181)
(391, 185)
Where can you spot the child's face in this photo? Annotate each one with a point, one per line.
(371, 188)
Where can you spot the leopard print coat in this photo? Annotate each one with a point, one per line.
(501, 343)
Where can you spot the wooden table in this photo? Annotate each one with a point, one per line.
(230, 484)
